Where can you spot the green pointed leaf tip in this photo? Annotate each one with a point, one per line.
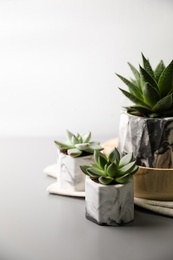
(102, 160)
(136, 74)
(86, 137)
(126, 160)
(69, 135)
(165, 83)
(114, 155)
(147, 66)
(84, 169)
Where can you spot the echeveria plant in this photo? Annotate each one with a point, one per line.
(111, 169)
(78, 145)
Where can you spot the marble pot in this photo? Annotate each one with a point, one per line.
(153, 183)
(109, 204)
(69, 175)
(150, 140)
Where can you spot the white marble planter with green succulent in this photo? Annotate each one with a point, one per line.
(75, 151)
(146, 128)
(109, 188)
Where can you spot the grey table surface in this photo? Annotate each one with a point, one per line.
(35, 225)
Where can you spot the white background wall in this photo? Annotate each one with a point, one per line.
(58, 60)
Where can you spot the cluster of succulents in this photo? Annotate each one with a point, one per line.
(151, 90)
(78, 145)
(111, 169)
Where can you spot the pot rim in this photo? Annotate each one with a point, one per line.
(156, 169)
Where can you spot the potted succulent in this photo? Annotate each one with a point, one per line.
(146, 128)
(74, 151)
(109, 192)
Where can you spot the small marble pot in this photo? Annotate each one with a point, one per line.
(69, 175)
(109, 204)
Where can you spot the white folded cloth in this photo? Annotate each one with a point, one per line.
(161, 207)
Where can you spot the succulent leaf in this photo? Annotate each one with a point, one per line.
(69, 135)
(158, 71)
(151, 95)
(147, 78)
(126, 168)
(74, 140)
(138, 110)
(122, 179)
(102, 160)
(82, 146)
(84, 168)
(165, 83)
(147, 66)
(112, 170)
(126, 160)
(165, 103)
(134, 90)
(106, 180)
(136, 74)
(74, 152)
(63, 146)
(95, 172)
(86, 137)
(114, 155)
(133, 98)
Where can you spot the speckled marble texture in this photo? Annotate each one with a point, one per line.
(69, 175)
(109, 204)
(150, 140)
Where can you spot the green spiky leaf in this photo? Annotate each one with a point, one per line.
(136, 74)
(86, 137)
(69, 135)
(132, 97)
(134, 90)
(151, 95)
(158, 71)
(165, 83)
(146, 78)
(164, 104)
(147, 66)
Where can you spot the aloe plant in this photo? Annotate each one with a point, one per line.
(151, 90)
(78, 145)
(111, 169)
